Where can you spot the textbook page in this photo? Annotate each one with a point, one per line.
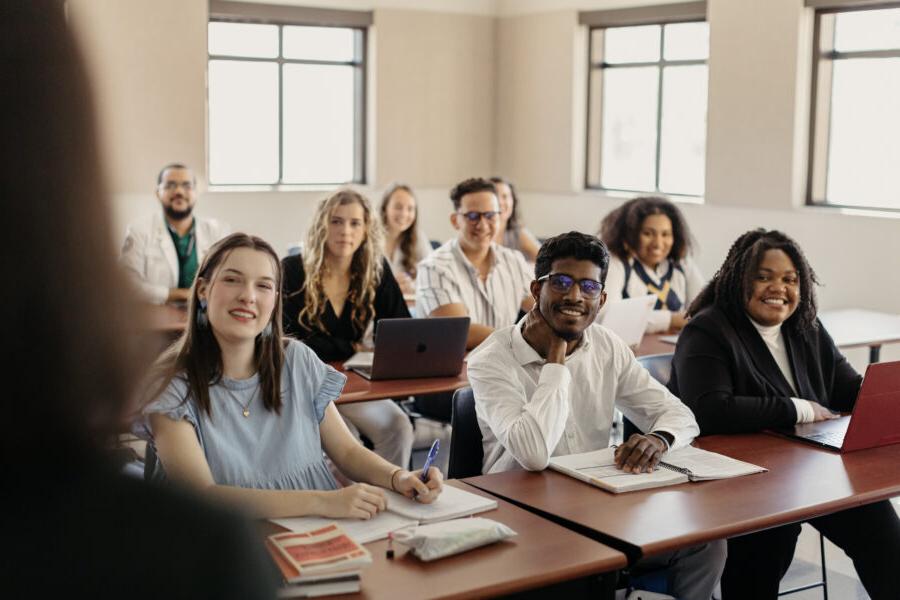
(700, 464)
(598, 468)
(360, 360)
(452, 503)
(362, 531)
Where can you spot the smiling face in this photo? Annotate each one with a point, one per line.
(346, 230)
(476, 236)
(655, 240)
(506, 201)
(400, 212)
(240, 295)
(177, 193)
(569, 313)
(775, 289)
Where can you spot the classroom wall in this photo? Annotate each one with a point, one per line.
(498, 86)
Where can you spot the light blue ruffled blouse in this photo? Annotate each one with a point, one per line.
(263, 450)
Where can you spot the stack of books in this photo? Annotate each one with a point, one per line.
(319, 562)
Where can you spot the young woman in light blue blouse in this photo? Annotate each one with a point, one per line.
(242, 414)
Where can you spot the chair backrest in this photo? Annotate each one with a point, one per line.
(660, 367)
(466, 452)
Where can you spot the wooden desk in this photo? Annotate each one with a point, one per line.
(652, 344)
(542, 554)
(855, 327)
(803, 482)
(359, 389)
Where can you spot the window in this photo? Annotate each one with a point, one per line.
(647, 98)
(286, 102)
(855, 141)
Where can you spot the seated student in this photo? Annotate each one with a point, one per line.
(754, 356)
(335, 293)
(471, 275)
(245, 414)
(546, 386)
(404, 244)
(162, 252)
(72, 522)
(650, 243)
(510, 232)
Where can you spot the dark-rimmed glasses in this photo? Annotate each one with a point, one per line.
(473, 216)
(562, 283)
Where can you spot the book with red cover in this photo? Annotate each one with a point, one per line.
(321, 554)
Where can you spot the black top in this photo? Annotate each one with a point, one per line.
(89, 532)
(726, 374)
(336, 342)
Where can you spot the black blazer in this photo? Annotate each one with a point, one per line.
(726, 374)
(336, 343)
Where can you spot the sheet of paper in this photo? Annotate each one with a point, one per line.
(703, 464)
(376, 528)
(452, 503)
(360, 359)
(628, 318)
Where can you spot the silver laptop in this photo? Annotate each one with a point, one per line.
(413, 348)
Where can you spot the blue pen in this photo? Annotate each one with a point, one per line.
(432, 454)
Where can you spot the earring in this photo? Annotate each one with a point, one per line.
(267, 331)
(202, 318)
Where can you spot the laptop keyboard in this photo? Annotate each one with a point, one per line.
(832, 438)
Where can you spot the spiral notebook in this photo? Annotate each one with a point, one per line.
(598, 468)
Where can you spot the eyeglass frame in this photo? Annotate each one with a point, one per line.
(171, 186)
(580, 282)
(481, 215)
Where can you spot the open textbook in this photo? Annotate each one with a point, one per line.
(679, 466)
(401, 512)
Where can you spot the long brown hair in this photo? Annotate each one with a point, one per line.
(196, 355)
(365, 268)
(409, 238)
(68, 309)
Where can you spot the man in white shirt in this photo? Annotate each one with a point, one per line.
(162, 252)
(471, 275)
(547, 385)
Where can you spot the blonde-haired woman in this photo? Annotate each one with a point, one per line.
(333, 293)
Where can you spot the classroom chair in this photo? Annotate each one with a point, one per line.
(466, 451)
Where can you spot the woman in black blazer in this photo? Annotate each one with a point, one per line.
(755, 356)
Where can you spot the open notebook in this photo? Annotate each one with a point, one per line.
(401, 512)
(679, 466)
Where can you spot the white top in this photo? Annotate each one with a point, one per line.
(420, 252)
(685, 285)
(447, 277)
(149, 254)
(774, 340)
(529, 410)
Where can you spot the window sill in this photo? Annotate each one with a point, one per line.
(319, 187)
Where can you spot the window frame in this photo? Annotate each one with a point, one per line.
(360, 118)
(820, 102)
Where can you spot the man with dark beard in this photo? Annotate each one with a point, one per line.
(547, 385)
(163, 251)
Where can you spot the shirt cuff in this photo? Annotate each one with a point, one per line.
(665, 440)
(555, 374)
(805, 412)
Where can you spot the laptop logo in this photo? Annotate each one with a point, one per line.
(420, 347)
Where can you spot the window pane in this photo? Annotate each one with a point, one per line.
(867, 30)
(686, 41)
(318, 123)
(632, 44)
(242, 39)
(628, 159)
(682, 161)
(864, 148)
(320, 43)
(243, 122)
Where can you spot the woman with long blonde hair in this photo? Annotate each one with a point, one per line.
(334, 293)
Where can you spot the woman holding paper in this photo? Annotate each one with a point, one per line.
(243, 414)
(335, 294)
(755, 356)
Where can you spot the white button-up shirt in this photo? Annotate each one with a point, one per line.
(529, 410)
(448, 277)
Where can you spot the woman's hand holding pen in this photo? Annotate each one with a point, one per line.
(410, 484)
(640, 454)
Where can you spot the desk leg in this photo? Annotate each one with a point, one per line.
(874, 354)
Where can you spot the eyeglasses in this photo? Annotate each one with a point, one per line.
(562, 283)
(473, 216)
(174, 185)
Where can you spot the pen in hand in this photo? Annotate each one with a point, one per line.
(432, 454)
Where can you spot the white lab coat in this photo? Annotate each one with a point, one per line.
(149, 255)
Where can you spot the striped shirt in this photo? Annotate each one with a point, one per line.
(447, 277)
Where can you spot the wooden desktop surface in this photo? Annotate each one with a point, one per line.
(541, 554)
(360, 389)
(802, 482)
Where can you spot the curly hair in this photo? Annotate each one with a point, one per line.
(409, 237)
(621, 229)
(365, 267)
(731, 286)
(577, 245)
(196, 355)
